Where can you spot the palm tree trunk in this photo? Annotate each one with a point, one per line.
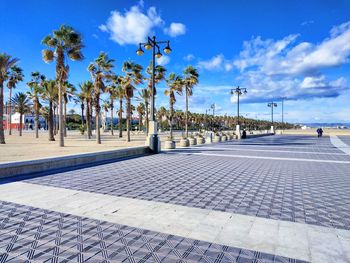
(140, 121)
(64, 120)
(9, 114)
(60, 69)
(82, 113)
(90, 117)
(87, 114)
(54, 120)
(112, 108)
(97, 127)
(20, 124)
(36, 120)
(171, 120)
(2, 135)
(51, 123)
(186, 124)
(147, 124)
(120, 118)
(97, 118)
(128, 110)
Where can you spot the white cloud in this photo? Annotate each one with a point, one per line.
(217, 62)
(213, 63)
(132, 27)
(280, 57)
(163, 60)
(306, 23)
(175, 29)
(263, 87)
(274, 68)
(312, 82)
(189, 57)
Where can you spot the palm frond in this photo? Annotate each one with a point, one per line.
(48, 55)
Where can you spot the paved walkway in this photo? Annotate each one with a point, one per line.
(288, 197)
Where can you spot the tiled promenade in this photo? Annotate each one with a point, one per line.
(266, 199)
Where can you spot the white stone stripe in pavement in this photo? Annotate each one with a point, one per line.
(262, 157)
(263, 145)
(289, 239)
(340, 144)
(259, 150)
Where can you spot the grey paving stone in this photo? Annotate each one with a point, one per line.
(98, 241)
(345, 139)
(306, 192)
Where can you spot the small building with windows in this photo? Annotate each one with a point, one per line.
(27, 122)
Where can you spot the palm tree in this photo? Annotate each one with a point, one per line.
(190, 80)
(161, 114)
(141, 111)
(87, 89)
(50, 93)
(105, 107)
(111, 89)
(21, 105)
(36, 89)
(6, 62)
(175, 85)
(44, 111)
(145, 96)
(64, 42)
(100, 70)
(119, 93)
(68, 93)
(15, 76)
(80, 99)
(159, 75)
(133, 76)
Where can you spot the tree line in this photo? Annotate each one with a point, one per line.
(65, 43)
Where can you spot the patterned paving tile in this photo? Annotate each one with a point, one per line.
(345, 139)
(313, 193)
(30, 234)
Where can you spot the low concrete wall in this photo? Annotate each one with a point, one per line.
(259, 135)
(71, 161)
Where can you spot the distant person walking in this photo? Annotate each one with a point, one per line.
(319, 132)
(244, 134)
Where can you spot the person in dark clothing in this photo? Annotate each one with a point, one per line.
(244, 134)
(319, 132)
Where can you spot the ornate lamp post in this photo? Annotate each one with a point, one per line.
(238, 91)
(151, 43)
(272, 105)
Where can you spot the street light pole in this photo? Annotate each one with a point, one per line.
(213, 108)
(238, 107)
(152, 79)
(272, 105)
(283, 98)
(152, 43)
(239, 91)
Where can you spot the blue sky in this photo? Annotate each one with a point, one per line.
(296, 49)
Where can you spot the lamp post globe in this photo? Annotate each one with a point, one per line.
(167, 49)
(158, 54)
(148, 46)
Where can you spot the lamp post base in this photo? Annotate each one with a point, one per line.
(272, 130)
(238, 132)
(153, 140)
